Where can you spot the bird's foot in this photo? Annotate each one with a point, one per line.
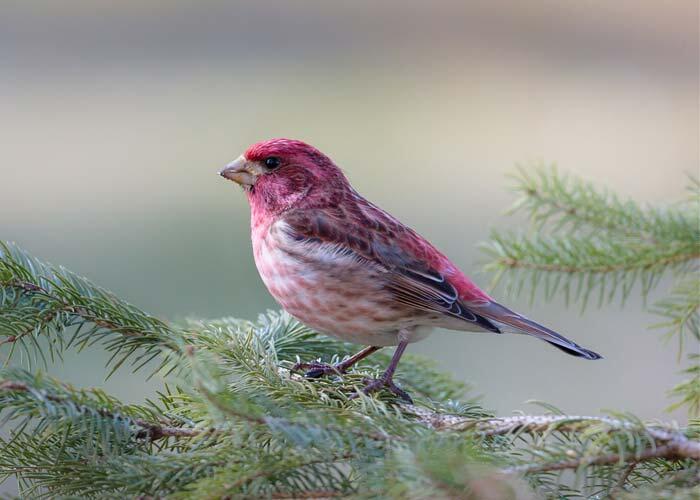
(317, 369)
(377, 384)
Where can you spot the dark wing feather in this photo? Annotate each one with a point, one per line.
(410, 279)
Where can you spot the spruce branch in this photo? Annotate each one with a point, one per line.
(688, 391)
(681, 311)
(234, 421)
(583, 266)
(588, 243)
(41, 301)
(542, 424)
(586, 238)
(151, 430)
(566, 203)
(672, 451)
(87, 413)
(655, 441)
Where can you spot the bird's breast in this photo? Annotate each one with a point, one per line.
(329, 289)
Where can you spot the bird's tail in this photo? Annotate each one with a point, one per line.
(511, 321)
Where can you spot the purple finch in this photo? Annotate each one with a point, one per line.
(345, 267)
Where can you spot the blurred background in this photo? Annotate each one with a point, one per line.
(115, 117)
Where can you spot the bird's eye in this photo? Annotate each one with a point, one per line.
(272, 162)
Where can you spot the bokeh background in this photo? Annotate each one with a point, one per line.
(115, 117)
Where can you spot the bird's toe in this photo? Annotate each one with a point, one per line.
(375, 385)
(315, 370)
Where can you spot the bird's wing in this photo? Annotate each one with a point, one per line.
(383, 241)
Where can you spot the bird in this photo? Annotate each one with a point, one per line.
(346, 268)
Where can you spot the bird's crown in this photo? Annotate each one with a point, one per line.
(283, 148)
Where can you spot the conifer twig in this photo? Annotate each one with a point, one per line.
(671, 451)
(234, 422)
(594, 243)
(530, 423)
(153, 431)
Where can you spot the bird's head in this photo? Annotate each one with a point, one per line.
(279, 174)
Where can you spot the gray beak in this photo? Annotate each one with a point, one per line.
(240, 172)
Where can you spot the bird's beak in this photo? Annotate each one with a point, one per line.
(242, 172)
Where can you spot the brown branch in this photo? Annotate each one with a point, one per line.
(671, 451)
(536, 424)
(522, 423)
(12, 338)
(150, 430)
(66, 307)
(622, 480)
(16, 338)
(602, 269)
(667, 443)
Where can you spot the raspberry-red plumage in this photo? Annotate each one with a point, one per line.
(348, 268)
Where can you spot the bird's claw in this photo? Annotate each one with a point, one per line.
(377, 384)
(316, 370)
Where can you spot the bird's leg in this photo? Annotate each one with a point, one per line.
(386, 380)
(316, 370)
